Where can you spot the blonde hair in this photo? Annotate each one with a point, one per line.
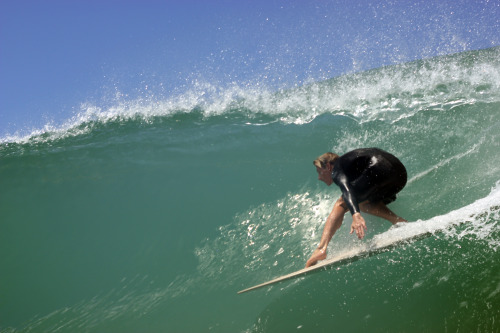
(325, 159)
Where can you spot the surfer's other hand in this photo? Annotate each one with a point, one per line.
(358, 225)
(318, 254)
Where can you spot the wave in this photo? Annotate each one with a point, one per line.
(277, 238)
(388, 94)
(115, 186)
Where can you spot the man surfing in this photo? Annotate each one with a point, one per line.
(369, 179)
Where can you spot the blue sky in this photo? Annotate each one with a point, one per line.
(56, 55)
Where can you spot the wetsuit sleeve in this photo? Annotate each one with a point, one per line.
(341, 180)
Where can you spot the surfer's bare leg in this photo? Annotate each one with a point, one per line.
(381, 210)
(333, 223)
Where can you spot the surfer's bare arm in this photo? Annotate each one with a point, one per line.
(333, 223)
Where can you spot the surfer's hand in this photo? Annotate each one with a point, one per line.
(358, 225)
(318, 254)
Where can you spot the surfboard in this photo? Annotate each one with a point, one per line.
(380, 243)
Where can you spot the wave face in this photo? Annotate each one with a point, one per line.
(149, 215)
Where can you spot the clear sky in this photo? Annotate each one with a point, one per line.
(57, 54)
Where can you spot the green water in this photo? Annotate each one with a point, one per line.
(149, 216)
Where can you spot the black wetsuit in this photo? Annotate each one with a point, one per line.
(368, 174)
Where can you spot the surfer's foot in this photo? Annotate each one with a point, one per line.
(318, 254)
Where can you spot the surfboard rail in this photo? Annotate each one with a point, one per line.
(375, 246)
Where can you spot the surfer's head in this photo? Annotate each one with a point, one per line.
(324, 167)
(325, 160)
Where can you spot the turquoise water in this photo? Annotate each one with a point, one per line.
(149, 215)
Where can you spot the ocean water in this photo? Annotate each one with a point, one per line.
(149, 215)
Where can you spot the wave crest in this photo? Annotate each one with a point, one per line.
(388, 94)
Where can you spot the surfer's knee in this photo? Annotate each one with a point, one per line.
(340, 203)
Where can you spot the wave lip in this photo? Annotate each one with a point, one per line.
(389, 93)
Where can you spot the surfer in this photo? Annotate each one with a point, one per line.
(369, 179)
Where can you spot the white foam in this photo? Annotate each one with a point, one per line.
(389, 94)
(481, 216)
